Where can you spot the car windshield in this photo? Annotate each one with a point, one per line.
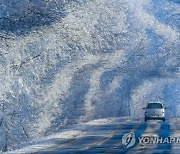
(154, 106)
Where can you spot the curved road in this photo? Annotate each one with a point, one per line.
(107, 138)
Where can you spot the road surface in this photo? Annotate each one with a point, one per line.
(107, 138)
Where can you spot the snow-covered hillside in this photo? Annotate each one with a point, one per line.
(69, 61)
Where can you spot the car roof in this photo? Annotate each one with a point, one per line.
(155, 102)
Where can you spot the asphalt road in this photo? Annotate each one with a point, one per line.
(112, 138)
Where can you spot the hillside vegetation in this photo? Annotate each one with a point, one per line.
(63, 62)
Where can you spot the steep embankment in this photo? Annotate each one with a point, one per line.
(65, 62)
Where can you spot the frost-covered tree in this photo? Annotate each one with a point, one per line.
(64, 62)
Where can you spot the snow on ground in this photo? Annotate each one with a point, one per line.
(65, 136)
(91, 59)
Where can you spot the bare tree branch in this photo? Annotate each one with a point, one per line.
(18, 66)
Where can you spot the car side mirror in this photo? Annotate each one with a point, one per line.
(143, 108)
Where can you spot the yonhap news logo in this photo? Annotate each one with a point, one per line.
(129, 140)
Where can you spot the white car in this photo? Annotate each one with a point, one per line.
(155, 110)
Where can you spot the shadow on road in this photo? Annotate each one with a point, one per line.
(164, 132)
(99, 139)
